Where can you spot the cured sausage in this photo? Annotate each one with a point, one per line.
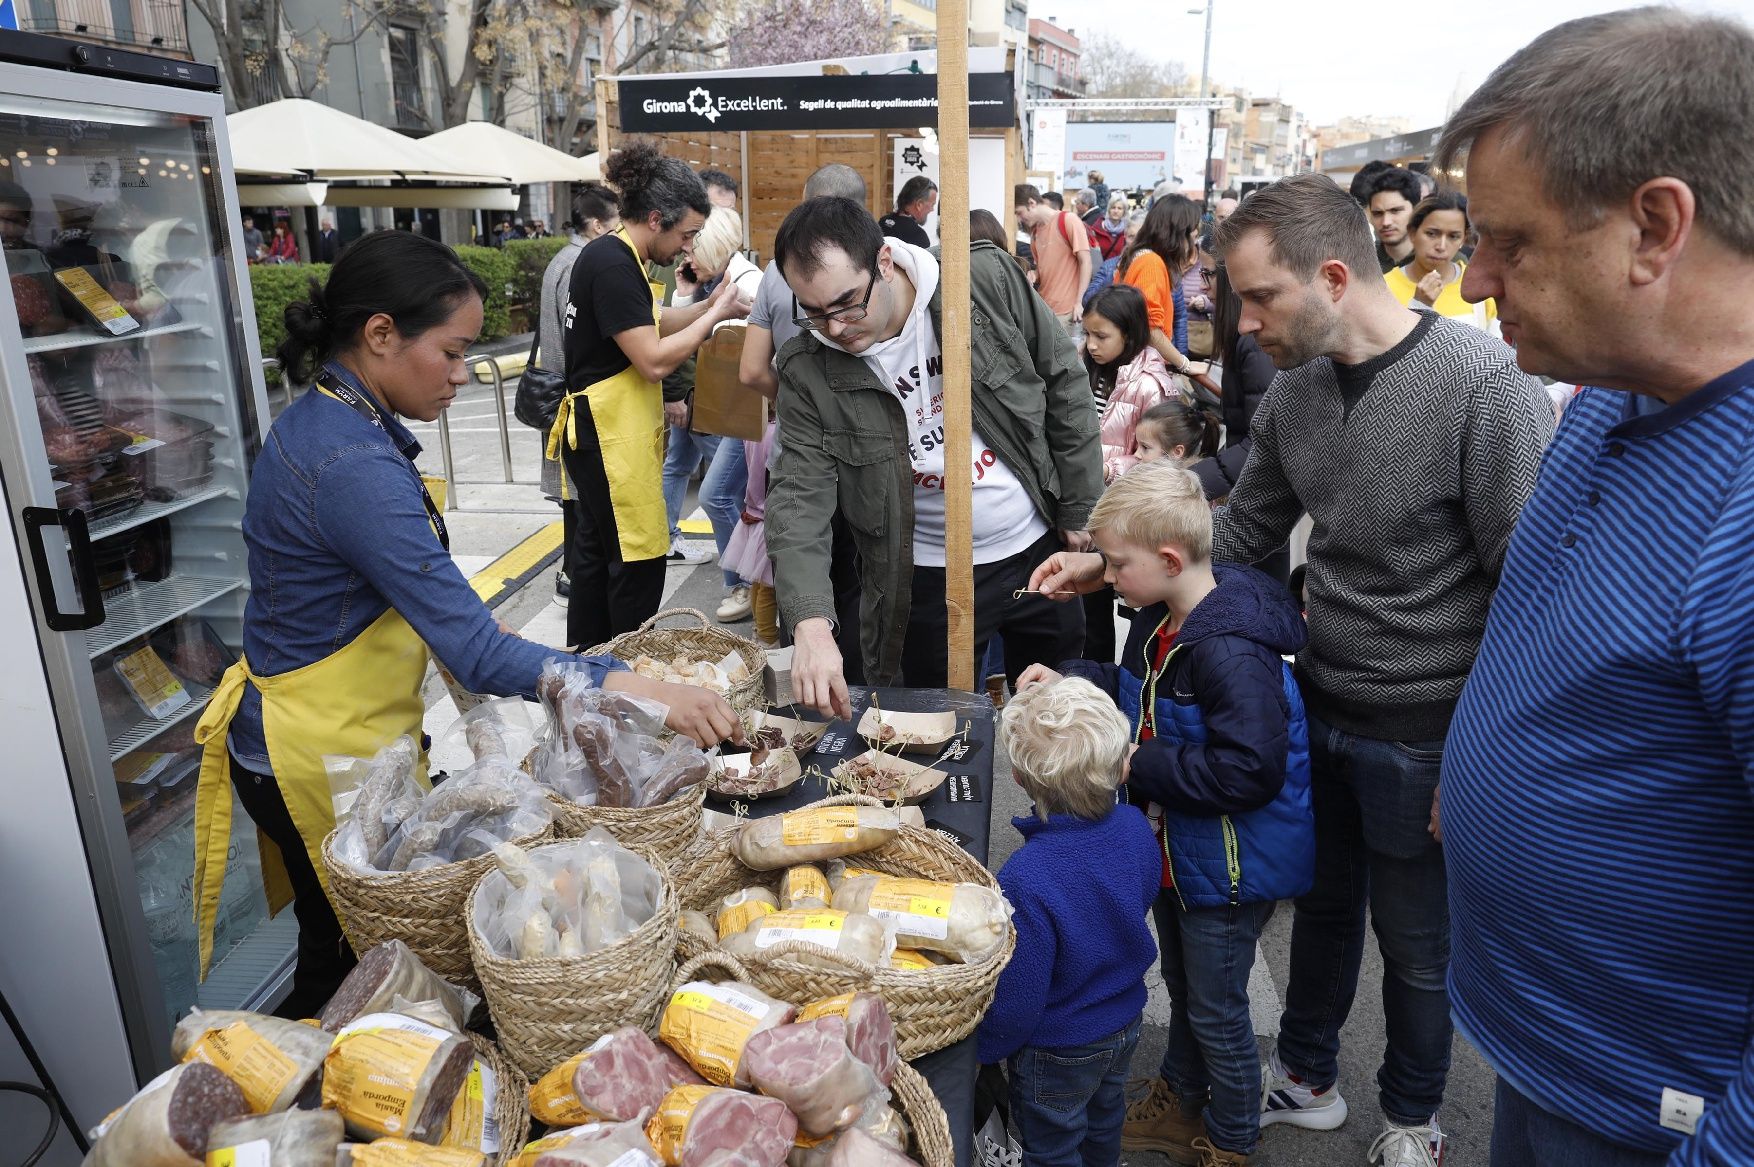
(168, 1123)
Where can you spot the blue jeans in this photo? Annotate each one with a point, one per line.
(1525, 1135)
(1067, 1105)
(1207, 954)
(1372, 803)
(721, 491)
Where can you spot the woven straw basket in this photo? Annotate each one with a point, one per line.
(547, 1010)
(932, 1009)
(707, 642)
(912, 1095)
(511, 1108)
(426, 910)
(667, 829)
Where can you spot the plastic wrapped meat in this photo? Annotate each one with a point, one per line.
(623, 1076)
(703, 1126)
(273, 1061)
(392, 1075)
(810, 1068)
(386, 972)
(857, 1149)
(168, 1123)
(596, 1145)
(964, 921)
(297, 1138)
(710, 1025)
(870, 1031)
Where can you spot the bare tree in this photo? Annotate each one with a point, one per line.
(779, 32)
(265, 59)
(1114, 69)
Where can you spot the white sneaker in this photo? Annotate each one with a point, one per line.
(738, 605)
(1409, 1146)
(1285, 1098)
(682, 552)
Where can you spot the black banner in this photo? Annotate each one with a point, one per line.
(729, 104)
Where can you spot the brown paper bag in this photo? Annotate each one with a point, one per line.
(721, 404)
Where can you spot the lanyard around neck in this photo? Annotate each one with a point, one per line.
(332, 385)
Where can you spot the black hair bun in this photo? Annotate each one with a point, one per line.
(634, 165)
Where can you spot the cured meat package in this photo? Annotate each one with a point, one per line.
(623, 1076)
(396, 1076)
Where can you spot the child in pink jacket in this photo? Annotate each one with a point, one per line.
(1127, 375)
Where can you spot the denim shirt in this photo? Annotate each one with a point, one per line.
(337, 534)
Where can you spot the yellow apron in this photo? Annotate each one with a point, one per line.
(627, 412)
(350, 703)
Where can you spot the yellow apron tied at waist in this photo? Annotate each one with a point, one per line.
(350, 703)
(627, 413)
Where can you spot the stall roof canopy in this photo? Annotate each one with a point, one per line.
(502, 151)
(300, 138)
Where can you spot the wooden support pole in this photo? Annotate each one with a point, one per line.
(953, 202)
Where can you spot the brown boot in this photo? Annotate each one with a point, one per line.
(1211, 1156)
(766, 606)
(1155, 1122)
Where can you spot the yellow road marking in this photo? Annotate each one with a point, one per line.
(494, 579)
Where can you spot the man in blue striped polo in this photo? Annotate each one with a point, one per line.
(1596, 805)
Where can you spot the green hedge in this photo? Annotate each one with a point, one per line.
(274, 286)
(499, 271)
(531, 257)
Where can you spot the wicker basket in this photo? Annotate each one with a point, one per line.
(912, 1095)
(426, 910)
(931, 1009)
(668, 829)
(510, 1107)
(547, 1010)
(707, 642)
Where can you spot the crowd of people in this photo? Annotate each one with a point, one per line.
(1517, 739)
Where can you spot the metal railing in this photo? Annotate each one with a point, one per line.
(447, 454)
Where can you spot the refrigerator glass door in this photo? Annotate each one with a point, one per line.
(142, 413)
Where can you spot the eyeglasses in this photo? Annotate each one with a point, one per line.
(851, 314)
(1208, 274)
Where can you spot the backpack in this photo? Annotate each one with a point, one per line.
(1095, 251)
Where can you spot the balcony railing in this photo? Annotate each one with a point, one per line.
(153, 26)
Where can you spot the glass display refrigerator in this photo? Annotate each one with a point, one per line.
(134, 406)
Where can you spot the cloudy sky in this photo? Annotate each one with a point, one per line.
(1332, 58)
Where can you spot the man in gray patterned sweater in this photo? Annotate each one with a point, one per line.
(1412, 441)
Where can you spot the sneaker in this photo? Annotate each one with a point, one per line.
(1409, 1146)
(691, 554)
(1211, 1156)
(562, 589)
(738, 605)
(1285, 1098)
(1156, 1122)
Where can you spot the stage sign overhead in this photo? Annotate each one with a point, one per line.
(729, 104)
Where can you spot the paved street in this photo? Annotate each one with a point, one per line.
(480, 537)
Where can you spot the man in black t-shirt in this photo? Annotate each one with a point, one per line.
(913, 206)
(610, 430)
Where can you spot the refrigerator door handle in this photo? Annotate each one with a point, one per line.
(72, 521)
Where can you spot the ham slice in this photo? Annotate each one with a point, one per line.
(810, 1068)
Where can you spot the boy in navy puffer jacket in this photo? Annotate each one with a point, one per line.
(1221, 766)
(1065, 1017)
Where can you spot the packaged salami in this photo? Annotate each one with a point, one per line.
(711, 1024)
(395, 1076)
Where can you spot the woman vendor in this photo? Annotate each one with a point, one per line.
(351, 584)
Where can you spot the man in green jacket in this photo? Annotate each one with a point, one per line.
(861, 413)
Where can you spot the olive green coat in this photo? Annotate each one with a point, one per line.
(844, 442)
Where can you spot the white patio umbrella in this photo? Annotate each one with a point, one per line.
(486, 146)
(304, 138)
